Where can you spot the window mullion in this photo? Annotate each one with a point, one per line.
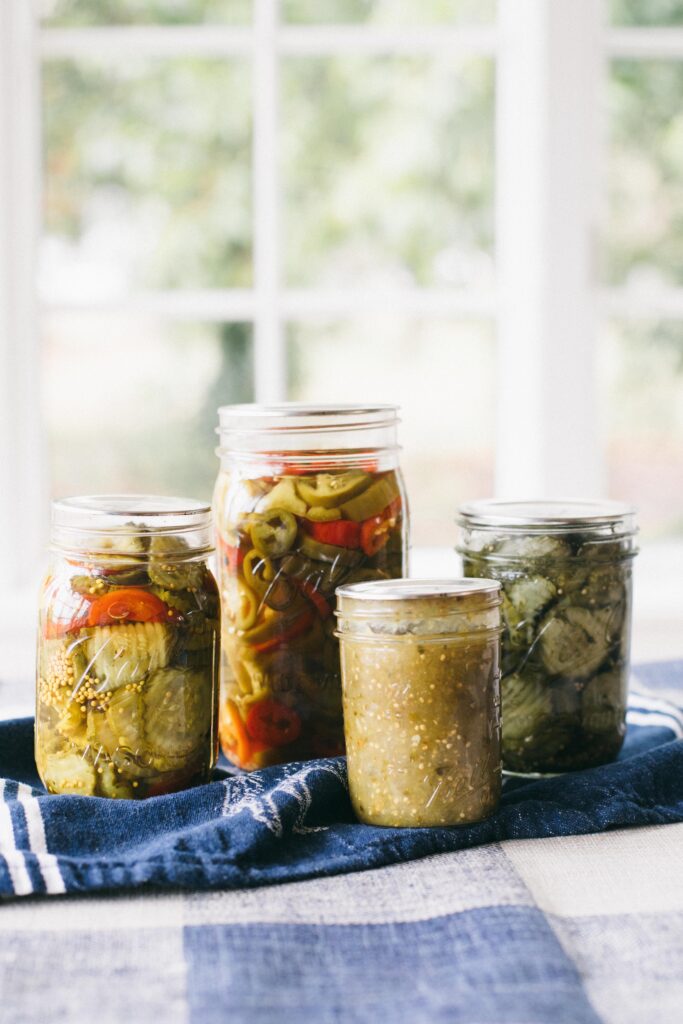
(548, 130)
(22, 464)
(269, 353)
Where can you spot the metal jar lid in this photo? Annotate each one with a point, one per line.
(414, 607)
(548, 515)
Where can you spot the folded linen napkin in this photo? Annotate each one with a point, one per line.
(295, 821)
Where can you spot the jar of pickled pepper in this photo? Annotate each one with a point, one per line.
(566, 572)
(307, 498)
(420, 673)
(127, 666)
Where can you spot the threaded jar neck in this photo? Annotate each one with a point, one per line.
(120, 526)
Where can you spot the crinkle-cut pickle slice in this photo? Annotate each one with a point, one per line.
(68, 773)
(124, 653)
(575, 641)
(533, 547)
(169, 567)
(177, 711)
(523, 602)
(73, 723)
(527, 704)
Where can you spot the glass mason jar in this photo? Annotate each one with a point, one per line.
(307, 498)
(565, 567)
(421, 672)
(127, 648)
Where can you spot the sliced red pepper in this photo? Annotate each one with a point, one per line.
(273, 723)
(129, 604)
(343, 533)
(237, 744)
(298, 626)
(310, 591)
(56, 630)
(322, 465)
(374, 532)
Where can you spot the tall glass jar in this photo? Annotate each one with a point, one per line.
(421, 672)
(307, 498)
(566, 569)
(127, 648)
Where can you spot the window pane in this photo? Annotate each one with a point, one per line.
(66, 13)
(443, 375)
(645, 232)
(147, 175)
(389, 12)
(388, 171)
(647, 12)
(130, 402)
(642, 381)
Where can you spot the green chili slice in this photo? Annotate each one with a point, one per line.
(274, 532)
(247, 607)
(319, 552)
(283, 497)
(330, 490)
(258, 571)
(373, 501)
(318, 514)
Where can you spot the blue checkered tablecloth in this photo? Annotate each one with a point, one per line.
(568, 928)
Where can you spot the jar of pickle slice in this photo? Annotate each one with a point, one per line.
(307, 498)
(566, 569)
(128, 633)
(420, 672)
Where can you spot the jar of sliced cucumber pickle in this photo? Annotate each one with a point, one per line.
(307, 498)
(566, 572)
(127, 648)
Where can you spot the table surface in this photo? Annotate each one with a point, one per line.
(573, 929)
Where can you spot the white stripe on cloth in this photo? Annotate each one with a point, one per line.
(14, 858)
(654, 719)
(642, 700)
(49, 866)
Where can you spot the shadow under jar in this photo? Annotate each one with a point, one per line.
(307, 498)
(127, 648)
(420, 672)
(566, 572)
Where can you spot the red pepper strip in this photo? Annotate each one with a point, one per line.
(129, 604)
(273, 723)
(310, 591)
(240, 749)
(343, 533)
(374, 532)
(299, 626)
(57, 630)
(329, 465)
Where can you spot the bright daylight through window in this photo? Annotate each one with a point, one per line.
(303, 199)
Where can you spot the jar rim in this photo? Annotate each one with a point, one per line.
(140, 506)
(540, 514)
(281, 415)
(297, 428)
(83, 521)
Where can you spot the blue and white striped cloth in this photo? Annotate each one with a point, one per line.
(567, 928)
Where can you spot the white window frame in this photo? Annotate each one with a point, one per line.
(547, 306)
